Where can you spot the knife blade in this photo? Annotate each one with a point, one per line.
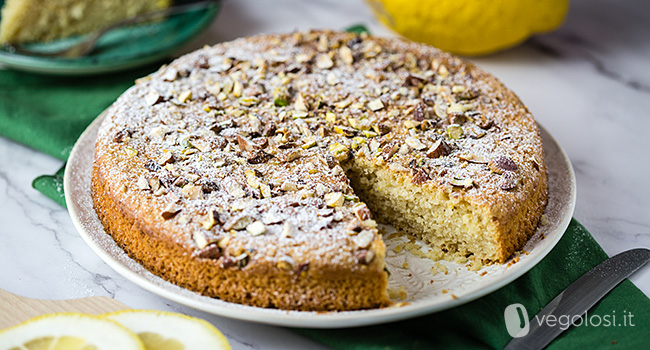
(579, 297)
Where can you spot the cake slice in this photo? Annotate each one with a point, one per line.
(26, 21)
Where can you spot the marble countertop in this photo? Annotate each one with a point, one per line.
(588, 84)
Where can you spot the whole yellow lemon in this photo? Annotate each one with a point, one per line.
(471, 27)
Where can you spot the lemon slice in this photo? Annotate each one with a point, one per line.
(69, 331)
(170, 331)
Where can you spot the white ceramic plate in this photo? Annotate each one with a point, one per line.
(458, 286)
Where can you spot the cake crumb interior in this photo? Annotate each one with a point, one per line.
(454, 227)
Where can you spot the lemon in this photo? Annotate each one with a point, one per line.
(170, 331)
(471, 27)
(69, 331)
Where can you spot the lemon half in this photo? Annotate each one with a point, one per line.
(471, 27)
(69, 331)
(170, 331)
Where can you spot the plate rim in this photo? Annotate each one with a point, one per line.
(302, 319)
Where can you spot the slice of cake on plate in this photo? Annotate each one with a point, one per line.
(26, 21)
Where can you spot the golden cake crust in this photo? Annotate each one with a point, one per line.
(228, 171)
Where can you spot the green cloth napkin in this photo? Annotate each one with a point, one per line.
(480, 324)
(49, 113)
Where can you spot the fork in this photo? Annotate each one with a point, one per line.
(88, 44)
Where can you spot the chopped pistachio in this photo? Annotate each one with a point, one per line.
(252, 179)
(306, 194)
(288, 186)
(375, 105)
(185, 96)
(346, 55)
(202, 145)
(299, 114)
(234, 189)
(265, 189)
(183, 219)
(210, 251)
(369, 134)
(365, 256)
(389, 151)
(543, 220)
(438, 149)
(152, 98)
(334, 199)
(374, 146)
(339, 151)
(281, 101)
(242, 260)
(303, 57)
(344, 131)
(214, 89)
(343, 104)
(200, 239)
(473, 158)
(285, 263)
(256, 228)
(362, 212)
(459, 182)
(457, 88)
(443, 71)
(509, 180)
(309, 142)
(300, 104)
(211, 220)
(363, 239)
(415, 143)
(411, 124)
(237, 88)
(324, 61)
(189, 151)
(244, 144)
(330, 117)
(170, 75)
(142, 183)
(499, 164)
(249, 101)
(239, 223)
(226, 86)
(290, 156)
(287, 229)
(331, 79)
(130, 152)
(323, 44)
(170, 211)
(459, 108)
(371, 48)
(192, 192)
(154, 183)
(455, 131)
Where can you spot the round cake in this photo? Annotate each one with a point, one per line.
(253, 171)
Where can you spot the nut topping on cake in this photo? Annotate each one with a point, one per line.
(258, 164)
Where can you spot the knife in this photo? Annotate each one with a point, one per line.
(579, 297)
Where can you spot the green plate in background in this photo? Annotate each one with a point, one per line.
(120, 49)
